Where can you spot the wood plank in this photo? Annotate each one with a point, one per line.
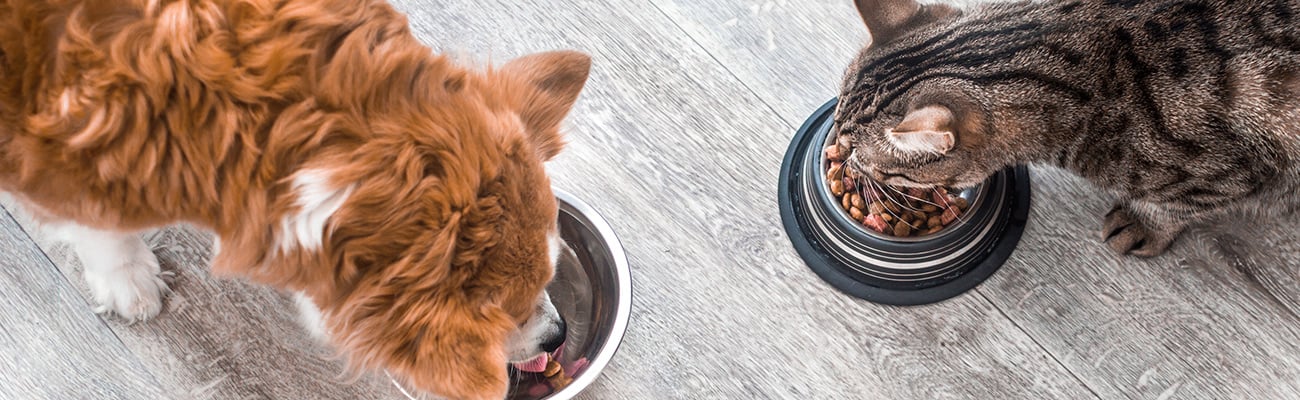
(1216, 318)
(1213, 319)
(221, 339)
(54, 347)
(683, 158)
(791, 54)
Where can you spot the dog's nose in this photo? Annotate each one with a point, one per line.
(556, 341)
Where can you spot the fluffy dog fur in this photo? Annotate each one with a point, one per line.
(331, 153)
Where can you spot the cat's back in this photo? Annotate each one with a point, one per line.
(1203, 82)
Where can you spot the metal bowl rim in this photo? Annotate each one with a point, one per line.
(624, 311)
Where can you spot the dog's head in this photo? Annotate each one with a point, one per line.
(440, 225)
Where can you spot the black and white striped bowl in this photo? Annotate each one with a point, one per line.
(886, 269)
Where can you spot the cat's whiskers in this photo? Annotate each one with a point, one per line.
(910, 197)
(941, 197)
(878, 187)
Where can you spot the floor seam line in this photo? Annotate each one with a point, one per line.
(724, 66)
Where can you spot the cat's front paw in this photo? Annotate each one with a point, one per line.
(1126, 233)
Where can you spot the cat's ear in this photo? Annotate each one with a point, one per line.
(927, 129)
(886, 19)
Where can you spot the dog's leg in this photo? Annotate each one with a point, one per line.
(120, 269)
(310, 317)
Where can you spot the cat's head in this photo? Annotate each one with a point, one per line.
(910, 126)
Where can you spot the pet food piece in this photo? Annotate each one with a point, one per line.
(915, 193)
(961, 203)
(893, 208)
(950, 214)
(902, 212)
(902, 229)
(919, 216)
(875, 222)
(835, 153)
(876, 208)
(554, 374)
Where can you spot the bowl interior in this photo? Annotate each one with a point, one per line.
(590, 291)
(973, 195)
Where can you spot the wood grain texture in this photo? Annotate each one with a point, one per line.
(51, 345)
(677, 141)
(218, 338)
(1215, 318)
(724, 308)
(1212, 319)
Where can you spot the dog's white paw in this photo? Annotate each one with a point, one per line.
(129, 286)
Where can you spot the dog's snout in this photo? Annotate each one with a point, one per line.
(554, 342)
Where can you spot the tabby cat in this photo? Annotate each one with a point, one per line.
(1184, 109)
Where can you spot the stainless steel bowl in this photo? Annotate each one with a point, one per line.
(592, 289)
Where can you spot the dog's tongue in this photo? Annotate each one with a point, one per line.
(537, 364)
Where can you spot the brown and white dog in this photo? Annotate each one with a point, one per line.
(402, 196)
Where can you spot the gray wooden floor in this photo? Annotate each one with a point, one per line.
(690, 107)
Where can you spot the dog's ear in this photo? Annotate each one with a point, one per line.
(556, 78)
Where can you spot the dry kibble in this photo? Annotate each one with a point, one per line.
(893, 208)
(552, 368)
(835, 171)
(555, 374)
(876, 208)
(902, 212)
(902, 229)
(837, 188)
(961, 203)
(950, 215)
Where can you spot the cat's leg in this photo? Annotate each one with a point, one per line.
(1142, 229)
(120, 269)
